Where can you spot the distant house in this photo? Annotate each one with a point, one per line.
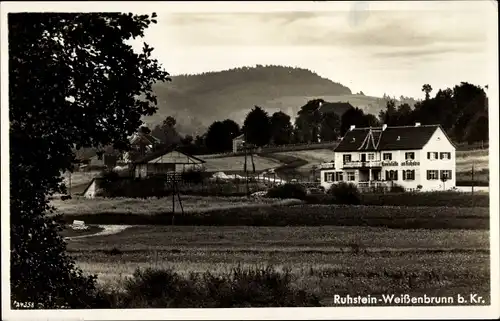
(168, 160)
(415, 157)
(142, 143)
(238, 142)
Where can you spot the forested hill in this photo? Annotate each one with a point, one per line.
(198, 100)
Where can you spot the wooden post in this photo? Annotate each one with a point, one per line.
(70, 183)
(472, 177)
(173, 203)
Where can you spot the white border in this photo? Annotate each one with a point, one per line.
(261, 313)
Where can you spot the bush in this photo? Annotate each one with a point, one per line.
(345, 193)
(396, 188)
(287, 191)
(194, 176)
(259, 287)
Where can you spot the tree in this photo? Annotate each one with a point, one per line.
(353, 116)
(170, 134)
(330, 127)
(308, 121)
(257, 127)
(73, 83)
(281, 128)
(427, 89)
(220, 136)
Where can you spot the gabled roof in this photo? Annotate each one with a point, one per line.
(148, 138)
(242, 136)
(338, 107)
(161, 152)
(392, 138)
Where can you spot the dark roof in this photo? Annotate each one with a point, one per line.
(338, 107)
(162, 152)
(392, 138)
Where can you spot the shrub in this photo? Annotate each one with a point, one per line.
(345, 193)
(258, 287)
(396, 188)
(288, 191)
(194, 176)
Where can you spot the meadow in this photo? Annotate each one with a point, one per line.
(323, 260)
(150, 206)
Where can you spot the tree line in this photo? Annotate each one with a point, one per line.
(461, 111)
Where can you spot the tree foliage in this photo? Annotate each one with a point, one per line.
(220, 136)
(461, 111)
(73, 82)
(257, 127)
(282, 128)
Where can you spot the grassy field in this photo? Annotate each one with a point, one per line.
(324, 260)
(150, 206)
(271, 213)
(236, 163)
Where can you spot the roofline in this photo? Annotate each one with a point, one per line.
(88, 186)
(166, 151)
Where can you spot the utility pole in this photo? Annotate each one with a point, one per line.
(472, 177)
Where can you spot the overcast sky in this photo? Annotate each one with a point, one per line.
(364, 47)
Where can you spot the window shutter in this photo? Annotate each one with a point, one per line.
(441, 155)
(386, 175)
(428, 175)
(428, 155)
(395, 175)
(449, 174)
(404, 175)
(326, 177)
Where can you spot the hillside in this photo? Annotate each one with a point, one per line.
(198, 100)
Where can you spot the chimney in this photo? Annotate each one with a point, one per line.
(417, 124)
(352, 127)
(384, 126)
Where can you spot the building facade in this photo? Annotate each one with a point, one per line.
(414, 157)
(166, 162)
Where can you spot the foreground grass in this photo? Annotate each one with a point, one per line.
(303, 215)
(191, 204)
(373, 260)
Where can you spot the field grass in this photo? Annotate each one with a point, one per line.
(236, 163)
(312, 157)
(297, 215)
(323, 260)
(191, 204)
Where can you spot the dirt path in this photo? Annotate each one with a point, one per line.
(108, 230)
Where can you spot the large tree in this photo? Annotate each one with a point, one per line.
(257, 127)
(330, 127)
(308, 121)
(73, 82)
(220, 136)
(282, 128)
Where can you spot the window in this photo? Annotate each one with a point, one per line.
(432, 175)
(391, 175)
(410, 155)
(347, 158)
(409, 175)
(339, 176)
(388, 156)
(432, 155)
(351, 176)
(445, 155)
(328, 177)
(371, 157)
(445, 175)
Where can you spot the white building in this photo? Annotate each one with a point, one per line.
(414, 157)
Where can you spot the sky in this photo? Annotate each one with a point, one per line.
(394, 48)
